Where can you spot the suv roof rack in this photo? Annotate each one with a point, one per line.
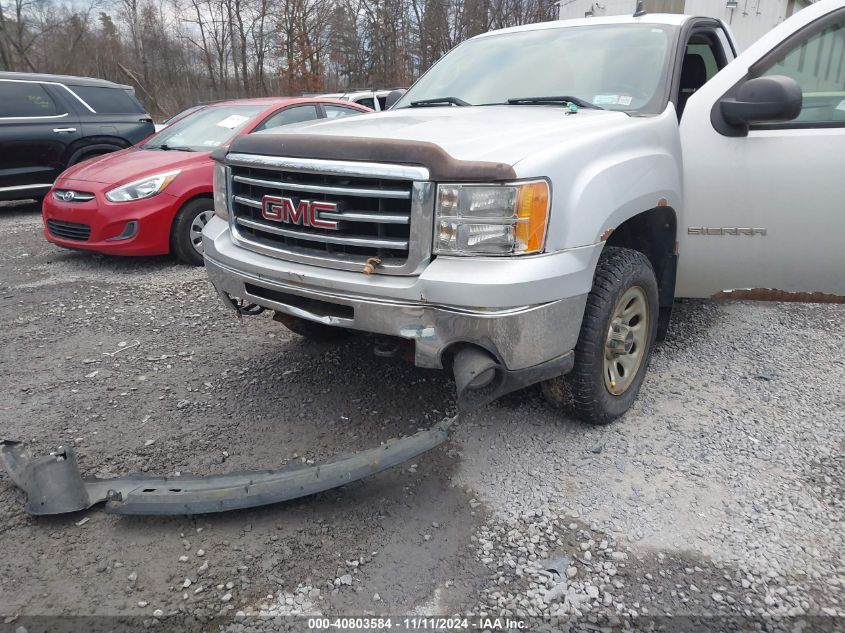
(62, 79)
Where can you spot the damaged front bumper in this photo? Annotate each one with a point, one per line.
(54, 485)
(520, 337)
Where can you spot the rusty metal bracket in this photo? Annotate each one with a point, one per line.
(54, 485)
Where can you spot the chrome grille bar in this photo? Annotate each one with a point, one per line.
(69, 195)
(327, 239)
(255, 204)
(397, 194)
(378, 218)
(350, 216)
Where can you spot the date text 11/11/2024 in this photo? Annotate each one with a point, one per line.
(416, 623)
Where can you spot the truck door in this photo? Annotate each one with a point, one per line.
(763, 202)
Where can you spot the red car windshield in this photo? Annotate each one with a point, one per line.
(205, 129)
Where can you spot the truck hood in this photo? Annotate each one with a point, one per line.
(497, 134)
(132, 163)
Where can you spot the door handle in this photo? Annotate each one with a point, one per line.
(64, 129)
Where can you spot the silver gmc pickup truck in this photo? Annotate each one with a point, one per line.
(531, 207)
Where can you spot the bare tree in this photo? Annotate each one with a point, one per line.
(180, 52)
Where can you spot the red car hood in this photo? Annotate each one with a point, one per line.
(133, 163)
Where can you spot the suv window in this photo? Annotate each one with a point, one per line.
(817, 63)
(382, 101)
(336, 111)
(366, 101)
(19, 99)
(108, 100)
(296, 114)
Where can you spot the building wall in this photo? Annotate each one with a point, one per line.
(749, 21)
(579, 8)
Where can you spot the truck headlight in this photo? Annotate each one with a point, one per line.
(221, 186)
(143, 188)
(508, 219)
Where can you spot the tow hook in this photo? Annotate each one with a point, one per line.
(54, 485)
(370, 265)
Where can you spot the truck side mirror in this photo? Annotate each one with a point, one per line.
(763, 100)
(393, 96)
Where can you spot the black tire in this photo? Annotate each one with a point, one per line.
(181, 237)
(584, 392)
(310, 329)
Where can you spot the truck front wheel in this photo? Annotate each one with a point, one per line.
(616, 339)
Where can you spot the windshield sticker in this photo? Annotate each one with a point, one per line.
(211, 143)
(232, 121)
(606, 99)
(625, 100)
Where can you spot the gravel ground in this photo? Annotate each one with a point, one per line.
(718, 498)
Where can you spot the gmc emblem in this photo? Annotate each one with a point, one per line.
(304, 212)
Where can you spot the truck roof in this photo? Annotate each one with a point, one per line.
(669, 19)
(67, 80)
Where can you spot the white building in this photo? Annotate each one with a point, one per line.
(748, 19)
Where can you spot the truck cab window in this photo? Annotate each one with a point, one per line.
(703, 58)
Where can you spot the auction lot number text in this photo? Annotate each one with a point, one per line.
(415, 623)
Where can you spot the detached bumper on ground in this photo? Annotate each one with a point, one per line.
(54, 485)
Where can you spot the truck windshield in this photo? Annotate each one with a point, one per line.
(614, 66)
(204, 129)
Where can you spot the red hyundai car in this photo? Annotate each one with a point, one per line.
(155, 198)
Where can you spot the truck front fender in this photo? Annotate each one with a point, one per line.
(608, 177)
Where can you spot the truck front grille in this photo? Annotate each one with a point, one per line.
(374, 217)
